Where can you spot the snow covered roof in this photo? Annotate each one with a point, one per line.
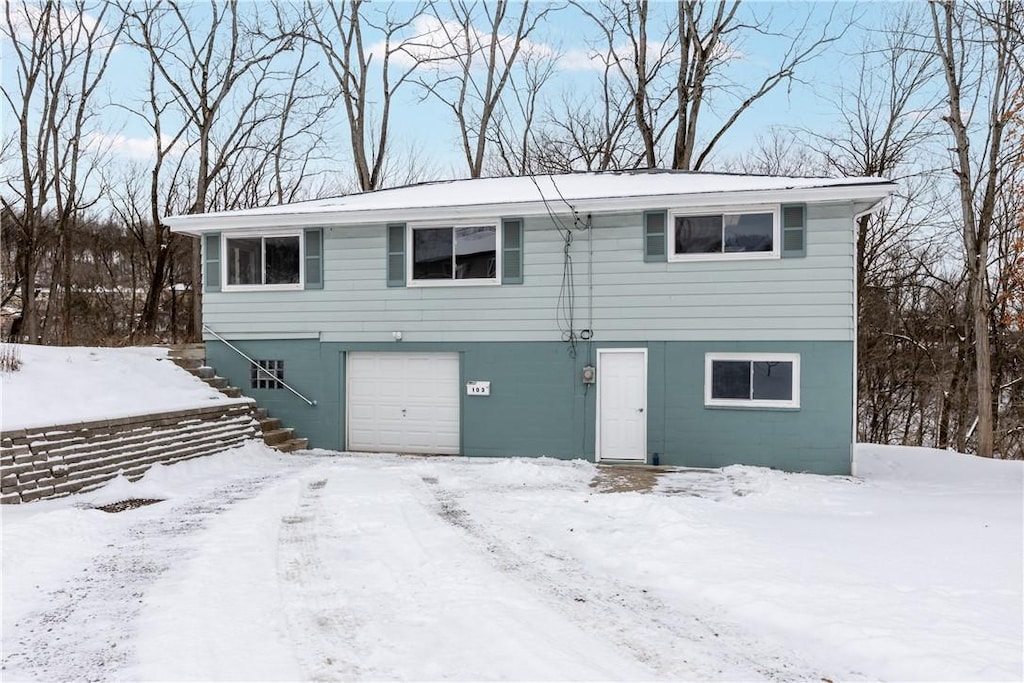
(539, 195)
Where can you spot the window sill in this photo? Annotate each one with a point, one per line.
(730, 256)
(454, 283)
(262, 288)
(754, 405)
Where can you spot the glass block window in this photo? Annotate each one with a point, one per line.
(266, 374)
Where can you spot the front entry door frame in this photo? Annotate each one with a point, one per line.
(641, 398)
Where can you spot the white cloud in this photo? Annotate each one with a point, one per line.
(75, 27)
(581, 60)
(442, 45)
(132, 149)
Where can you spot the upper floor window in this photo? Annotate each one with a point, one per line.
(263, 261)
(751, 233)
(447, 255)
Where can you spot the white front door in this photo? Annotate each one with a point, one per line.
(403, 402)
(622, 404)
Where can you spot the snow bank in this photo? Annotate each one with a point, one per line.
(163, 482)
(908, 464)
(60, 385)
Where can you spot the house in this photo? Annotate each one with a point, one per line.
(643, 316)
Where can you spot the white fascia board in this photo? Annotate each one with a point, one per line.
(280, 217)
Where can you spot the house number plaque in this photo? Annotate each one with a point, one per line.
(478, 388)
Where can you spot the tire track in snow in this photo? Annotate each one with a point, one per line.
(675, 644)
(63, 641)
(316, 623)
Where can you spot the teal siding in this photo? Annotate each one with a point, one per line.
(539, 407)
(309, 367)
(808, 298)
(817, 437)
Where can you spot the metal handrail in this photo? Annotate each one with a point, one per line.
(260, 368)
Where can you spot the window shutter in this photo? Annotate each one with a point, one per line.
(211, 269)
(396, 255)
(794, 230)
(512, 251)
(314, 258)
(655, 236)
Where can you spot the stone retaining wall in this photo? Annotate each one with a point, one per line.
(46, 462)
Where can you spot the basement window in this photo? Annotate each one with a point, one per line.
(266, 374)
(752, 380)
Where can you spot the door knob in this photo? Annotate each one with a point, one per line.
(639, 410)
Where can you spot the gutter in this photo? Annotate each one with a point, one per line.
(853, 443)
(321, 216)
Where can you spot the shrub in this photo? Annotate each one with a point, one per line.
(10, 358)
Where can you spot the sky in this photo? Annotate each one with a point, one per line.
(422, 123)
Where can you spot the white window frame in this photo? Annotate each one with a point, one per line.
(793, 358)
(773, 209)
(225, 256)
(410, 281)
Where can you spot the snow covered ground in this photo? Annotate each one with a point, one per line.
(59, 385)
(262, 566)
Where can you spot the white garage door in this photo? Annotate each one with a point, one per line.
(403, 402)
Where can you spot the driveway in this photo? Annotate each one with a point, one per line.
(381, 567)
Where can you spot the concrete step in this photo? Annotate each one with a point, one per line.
(187, 363)
(192, 357)
(193, 351)
(278, 436)
(204, 372)
(292, 445)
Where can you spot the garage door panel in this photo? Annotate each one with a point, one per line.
(403, 402)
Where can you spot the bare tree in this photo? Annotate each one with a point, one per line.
(589, 131)
(31, 38)
(643, 65)
(61, 52)
(979, 47)
(779, 151)
(886, 122)
(78, 62)
(677, 68)
(705, 32)
(219, 64)
(471, 68)
(338, 29)
(513, 127)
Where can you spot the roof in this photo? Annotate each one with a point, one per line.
(538, 195)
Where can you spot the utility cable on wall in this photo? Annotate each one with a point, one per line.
(566, 304)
